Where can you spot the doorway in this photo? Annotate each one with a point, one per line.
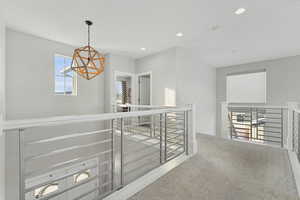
(123, 91)
(144, 96)
(144, 89)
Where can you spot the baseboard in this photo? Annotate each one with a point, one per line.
(210, 134)
(146, 180)
(295, 165)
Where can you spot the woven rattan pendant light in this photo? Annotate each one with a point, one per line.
(87, 62)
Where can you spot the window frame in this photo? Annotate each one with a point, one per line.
(75, 79)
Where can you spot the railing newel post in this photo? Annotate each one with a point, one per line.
(257, 122)
(186, 134)
(231, 123)
(160, 137)
(293, 130)
(122, 152)
(298, 132)
(166, 138)
(112, 155)
(21, 164)
(251, 118)
(281, 127)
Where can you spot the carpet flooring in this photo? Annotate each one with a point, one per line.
(227, 170)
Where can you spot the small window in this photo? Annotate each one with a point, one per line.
(82, 176)
(249, 87)
(45, 190)
(65, 77)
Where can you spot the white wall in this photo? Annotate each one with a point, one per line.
(2, 110)
(115, 63)
(196, 84)
(180, 70)
(163, 68)
(30, 81)
(30, 93)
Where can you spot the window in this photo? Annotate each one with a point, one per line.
(246, 87)
(45, 190)
(65, 78)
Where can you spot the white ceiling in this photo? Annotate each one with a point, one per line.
(268, 29)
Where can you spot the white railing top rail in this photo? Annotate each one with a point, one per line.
(257, 106)
(55, 121)
(143, 106)
(296, 110)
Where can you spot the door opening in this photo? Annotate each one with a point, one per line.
(144, 89)
(123, 89)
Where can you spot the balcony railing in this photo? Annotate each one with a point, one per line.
(258, 124)
(88, 157)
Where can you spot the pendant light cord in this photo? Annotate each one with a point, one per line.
(89, 35)
(89, 23)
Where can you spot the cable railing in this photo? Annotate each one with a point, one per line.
(258, 124)
(148, 123)
(92, 156)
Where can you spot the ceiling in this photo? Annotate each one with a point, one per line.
(268, 29)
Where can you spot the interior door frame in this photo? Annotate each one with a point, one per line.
(137, 85)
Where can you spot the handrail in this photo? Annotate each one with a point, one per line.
(51, 121)
(296, 110)
(143, 106)
(257, 106)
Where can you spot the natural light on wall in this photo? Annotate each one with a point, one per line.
(246, 87)
(170, 97)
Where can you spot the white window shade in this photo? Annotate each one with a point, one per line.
(246, 88)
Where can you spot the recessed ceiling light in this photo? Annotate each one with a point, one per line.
(143, 49)
(240, 11)
(179, 34)
(214, 28)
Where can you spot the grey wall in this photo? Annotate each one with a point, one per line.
(30, 81)
(282, 81)
(179, 69)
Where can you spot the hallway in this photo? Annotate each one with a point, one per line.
(227, 170)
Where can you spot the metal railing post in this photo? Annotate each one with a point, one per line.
(251, 118)
(257, 123)
(293, 130)
(154, 125)
(21, 165)
(166, 137)
(231, 123)
(298, 132)
(122, 152)
(186, 134)
(112, 155)
(160, 138)
(281, 127)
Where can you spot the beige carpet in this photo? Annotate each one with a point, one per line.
(227, 170)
